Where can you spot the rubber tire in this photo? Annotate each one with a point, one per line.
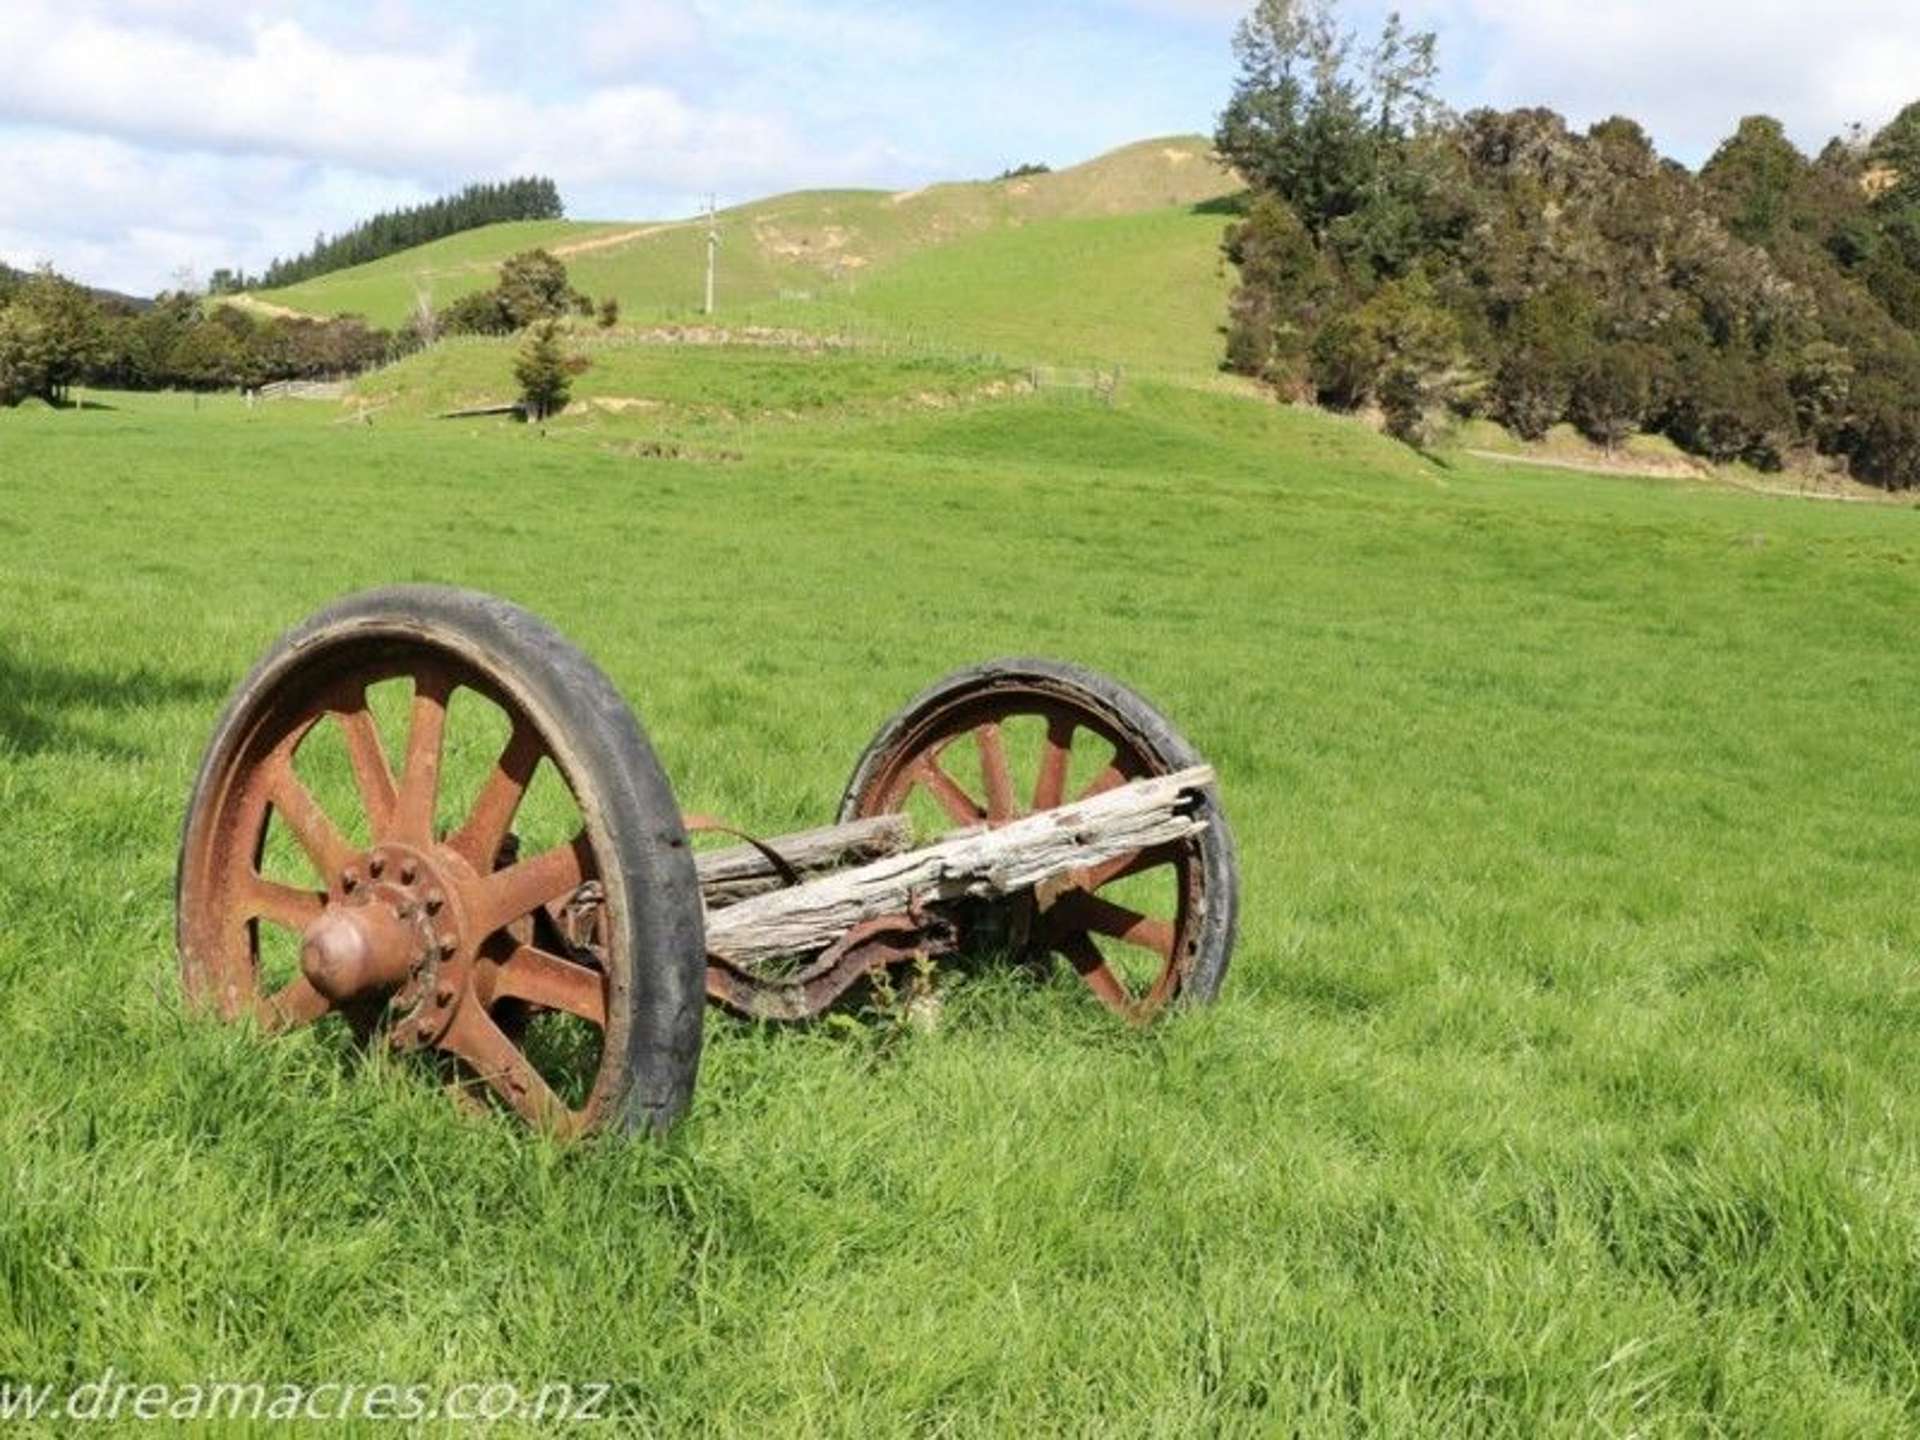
(622, 791)
(1133, 716)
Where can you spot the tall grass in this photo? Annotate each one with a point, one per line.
(1563, 1083)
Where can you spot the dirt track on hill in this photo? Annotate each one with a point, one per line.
(267, 308)
(610, 242)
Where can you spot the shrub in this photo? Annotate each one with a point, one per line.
(543, 372)
(533, 287)
(1530, 391)
(1611, 394)
(1345, 362)
(480, 313)
(1282, 282)
(1731, 409)
(1822, 385)
(25, 352)
(1404, 402)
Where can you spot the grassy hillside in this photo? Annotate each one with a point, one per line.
(384, 291)
(1112, 260)
(1145, 290)
(1563, 1082)
(691, 384)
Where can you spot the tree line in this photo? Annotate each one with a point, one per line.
(55, 334)
(532, 197)
(1395, 255)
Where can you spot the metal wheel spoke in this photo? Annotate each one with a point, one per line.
(1130, 927)
(994, 774)
(476, 1039)
(371, 772)
(1111, 778)
(1091, 966)
(292, 1006)
(420, 779)
(485, 831)
(1170, 906)
(523, 888)
(326, 847)
(283, 905)
(535, 975)
(961, 807)
(1171, 976)
(1051, 787)
(1135, 862)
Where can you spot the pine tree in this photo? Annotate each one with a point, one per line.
(391, 231)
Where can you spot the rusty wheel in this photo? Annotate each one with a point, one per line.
(417, 882)
(999, 741)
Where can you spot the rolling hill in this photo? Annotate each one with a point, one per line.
(1115, 260)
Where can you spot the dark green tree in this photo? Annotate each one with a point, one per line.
(533, 287)
(1313, 121)
(1611, 393)
(25, 356)
(73, 327)
(542, 371)
(480, 313)
(208, 357)
(1283, 280)
(1754, 176)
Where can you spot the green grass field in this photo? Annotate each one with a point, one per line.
(1564, 1081)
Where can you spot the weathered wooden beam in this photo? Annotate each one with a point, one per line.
(729, 876)
(980, 864)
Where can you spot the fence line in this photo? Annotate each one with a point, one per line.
(304, 390)
(846, 335)
(1101, 385)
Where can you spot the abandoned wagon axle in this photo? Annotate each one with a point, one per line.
(1023, 808)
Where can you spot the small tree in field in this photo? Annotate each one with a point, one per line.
(73, 336)
(533, 287)
(541, 369)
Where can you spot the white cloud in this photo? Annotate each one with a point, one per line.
(290, 93)
(207, 137)
(1688, 71)
(634, 37)
(127, 217)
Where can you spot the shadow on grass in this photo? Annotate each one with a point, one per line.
(65, 403)
(987, 980)
(1233, 206)
(38, 698)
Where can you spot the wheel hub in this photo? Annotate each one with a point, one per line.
(394, 930)
(358, 948)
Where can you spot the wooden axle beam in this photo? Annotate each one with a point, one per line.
(975, 864)
(743, 871)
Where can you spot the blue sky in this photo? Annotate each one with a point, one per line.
(140, 136)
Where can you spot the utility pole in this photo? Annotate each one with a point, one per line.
(713, 249)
